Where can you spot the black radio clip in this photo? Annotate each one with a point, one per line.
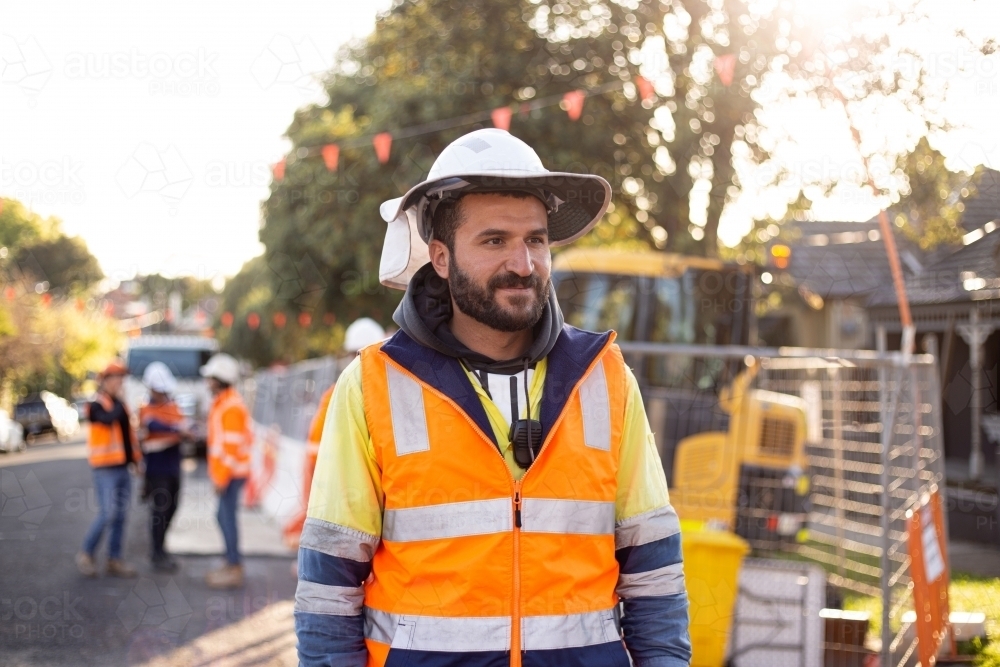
(525, 434)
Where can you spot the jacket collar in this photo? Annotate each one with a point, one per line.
(568, 361)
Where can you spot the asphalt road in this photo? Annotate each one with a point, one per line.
(50, 615)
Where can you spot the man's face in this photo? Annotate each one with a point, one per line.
(112, 384)
(500, 268)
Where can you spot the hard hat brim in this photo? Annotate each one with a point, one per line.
(584, 199)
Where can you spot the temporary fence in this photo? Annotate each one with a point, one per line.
(873, 446)
(873, 450)
(286, 398)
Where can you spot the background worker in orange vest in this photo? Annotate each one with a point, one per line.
(112, 450)
(488, 488)
(162, 427)
(230, 437)
(360, 333)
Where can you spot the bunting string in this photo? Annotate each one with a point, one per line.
(572, 102)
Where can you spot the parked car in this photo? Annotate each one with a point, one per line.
(45, 412)
(11, 434)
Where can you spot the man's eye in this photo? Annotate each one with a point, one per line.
(494, 241)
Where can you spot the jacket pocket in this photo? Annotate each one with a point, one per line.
(399, 653)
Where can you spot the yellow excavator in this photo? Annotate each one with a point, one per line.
(734, 454)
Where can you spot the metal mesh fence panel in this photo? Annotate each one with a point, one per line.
(873, 448)
(287, 398)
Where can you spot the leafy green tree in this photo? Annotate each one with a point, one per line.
(930, 210)
(49, 339)
(36, 250)
(668, 156)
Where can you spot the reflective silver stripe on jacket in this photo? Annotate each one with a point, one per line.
(668, 580)
(316, 598)
(581, 517)
(647, 527)
(552, 632)
(336, 540)
(438, 633)
(596, 409)
(409, 421)
(432, 522)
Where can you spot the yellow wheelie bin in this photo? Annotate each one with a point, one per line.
(712, 560)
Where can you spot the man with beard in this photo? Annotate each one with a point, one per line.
(487, 489)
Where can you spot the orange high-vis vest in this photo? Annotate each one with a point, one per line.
(106, 444)
(474, 563)
(230, 437)
(167, 413)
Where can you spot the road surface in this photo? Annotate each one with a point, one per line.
(50, 615)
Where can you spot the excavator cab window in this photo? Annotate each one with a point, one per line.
(600, 301)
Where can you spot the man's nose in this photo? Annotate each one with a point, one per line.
(520, 261)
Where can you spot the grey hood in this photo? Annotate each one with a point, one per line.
(425, 312)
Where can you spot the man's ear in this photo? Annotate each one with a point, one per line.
(439, 255)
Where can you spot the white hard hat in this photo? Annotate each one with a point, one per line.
(222, 367)
(362, 333)
(157, 377)
(487, 160)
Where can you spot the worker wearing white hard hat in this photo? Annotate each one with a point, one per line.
(162, 427)
(157, 377)
(360, 334)
(422, 491)
(488, 160)
(230, 439)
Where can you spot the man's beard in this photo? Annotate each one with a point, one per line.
(481, 303)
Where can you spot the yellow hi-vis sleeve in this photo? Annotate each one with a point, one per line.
(642, 485)
(347, 484)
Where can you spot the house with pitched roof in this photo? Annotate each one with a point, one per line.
(840, 280)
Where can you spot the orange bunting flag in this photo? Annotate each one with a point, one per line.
(227, 319)
(279, 319)
(253, 321)
(383, 144)
(305, 319)
(331, 155)
(279, 170)
(725, 67)
(501, 118)
(573, 103)
(645, 87)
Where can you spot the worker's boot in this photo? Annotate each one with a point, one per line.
(119, 568)
(227, 576)
(86, 565)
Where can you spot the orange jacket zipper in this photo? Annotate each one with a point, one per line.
(517, 641)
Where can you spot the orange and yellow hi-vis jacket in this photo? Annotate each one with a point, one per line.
(421, 538)
(230, 438)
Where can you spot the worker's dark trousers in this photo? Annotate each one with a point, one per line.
(162, 493)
